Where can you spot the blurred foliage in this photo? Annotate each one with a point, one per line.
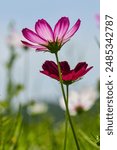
(12, 88)
(10, 129)
(46, 130)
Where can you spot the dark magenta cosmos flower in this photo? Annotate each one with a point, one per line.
(46, 39)
(68, 76)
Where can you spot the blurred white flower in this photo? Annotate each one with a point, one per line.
(80, 101)
(37, 108)
(14, 38)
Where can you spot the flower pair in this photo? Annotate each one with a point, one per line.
(45, 39)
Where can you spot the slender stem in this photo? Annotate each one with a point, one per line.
(66, 118)
(67, 109)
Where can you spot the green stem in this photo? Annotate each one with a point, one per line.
(66, 118)
(67, 109)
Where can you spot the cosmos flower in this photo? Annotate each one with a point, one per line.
(46, 39)
(80, 101)
(69, 76)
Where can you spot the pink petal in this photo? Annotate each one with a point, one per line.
(79, 74)
(44, 30)
(68, 77)
(82, 72)
(87, 70)
(33, 37)
(61, 28)
(80, 65)
(50, 75)
(65, 68)
(51, 67)
(34, 46)
(72, 31)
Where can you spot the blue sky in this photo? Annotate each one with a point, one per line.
(82, 47)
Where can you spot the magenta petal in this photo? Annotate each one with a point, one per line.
(61, 28)
(64, 67)
(72, 31)
(51, 67)
(44, 30)
(79, 74)
(33, 37)
(79, 66)
(50, 75)
(34, 46)
(87, 70)
(82, 72)
(68, 76)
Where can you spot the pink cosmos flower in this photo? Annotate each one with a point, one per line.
(68, 76)
(46, 39)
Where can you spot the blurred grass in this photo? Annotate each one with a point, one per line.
(46, 131)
